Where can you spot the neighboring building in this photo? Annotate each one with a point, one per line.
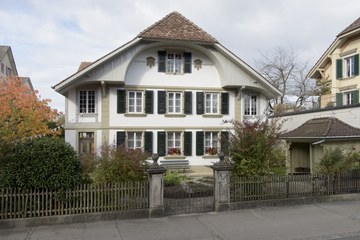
(338, 68)
(307, 144)
(171, 91)
(8, 66)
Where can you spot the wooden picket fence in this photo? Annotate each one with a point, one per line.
(292, 186)
(87, 198)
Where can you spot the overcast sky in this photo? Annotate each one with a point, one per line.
(49, 39)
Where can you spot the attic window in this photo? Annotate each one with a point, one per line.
(174, 62)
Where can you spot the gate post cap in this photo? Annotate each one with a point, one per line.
(155, 168)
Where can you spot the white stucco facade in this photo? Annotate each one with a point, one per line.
(133, 96)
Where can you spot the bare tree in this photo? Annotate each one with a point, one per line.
(282, 68)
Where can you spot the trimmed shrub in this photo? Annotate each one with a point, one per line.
(41, 163)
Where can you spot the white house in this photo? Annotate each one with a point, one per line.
(170, 90)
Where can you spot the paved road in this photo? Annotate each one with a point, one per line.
(337, 220)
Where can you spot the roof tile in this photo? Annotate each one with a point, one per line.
(352, 26)
(175, 26)
(325, 127)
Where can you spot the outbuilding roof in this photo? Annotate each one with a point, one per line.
(323, 128)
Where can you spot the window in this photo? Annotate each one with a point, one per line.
(8, 71)
(86, 143)
(134, 140)
(173, 143)
(349, 66)
(174, 102)
(349, 98)
(211, 143)
(135, 102)
(87, 101)
(211, 103)
(250, 105)
(2, 68)
(174, 62)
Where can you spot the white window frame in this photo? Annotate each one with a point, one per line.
(174, 102)
(348, 98)
(250, 105)
(212, 103)
(174, 62)
(86, 143)
(211, 140)
(134, 140)
(135, 103)
(87, 102)
(173, 140)
(349, 66)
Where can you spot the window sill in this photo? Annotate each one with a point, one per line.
(135, 114)
(174, 157)
(208, 156)
(255, 117)
(212, 115)
(87, 115)
(174, 115)
(174, 73)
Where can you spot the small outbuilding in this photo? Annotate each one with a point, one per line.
(307, 144)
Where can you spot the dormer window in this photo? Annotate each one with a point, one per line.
(174, 62)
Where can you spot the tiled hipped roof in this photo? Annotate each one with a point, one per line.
(326, 127)
(175, 26)
(354, 25)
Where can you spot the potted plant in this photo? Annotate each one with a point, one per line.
(211, 151)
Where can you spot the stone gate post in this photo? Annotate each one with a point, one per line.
(156, 188)
(222, 184)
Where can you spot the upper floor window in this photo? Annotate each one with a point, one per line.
(87, 101)
(2, 68)
(174, 102)
(347, 67)
(349, 98)
(8, 71)
(135, 101)
(174, 62)
(211, 103)
(250, 105)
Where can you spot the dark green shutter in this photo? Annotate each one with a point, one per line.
(199, 143)
(356, 64)
(225, 103)
(188, 103)
(161, 61)
(199, 103)
(148, 142)
(149, 102)
(121, 101)
(187, 143)
(356, 97)
(224, 141)
(339, 99)
(161, 102)
(120, 138)
(161, 143)
(187, 62)
(339, 70)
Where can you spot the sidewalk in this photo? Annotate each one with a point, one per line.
(334, 220)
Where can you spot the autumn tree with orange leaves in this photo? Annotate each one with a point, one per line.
(22, 113)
